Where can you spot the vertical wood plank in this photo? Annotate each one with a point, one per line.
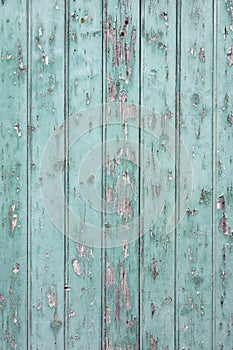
(46, 242)
(223, 203)
(157, 270)
(194, 254)
(120, 264)
(13, 181)
(85, 98)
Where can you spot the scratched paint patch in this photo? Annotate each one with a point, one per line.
(118, 159)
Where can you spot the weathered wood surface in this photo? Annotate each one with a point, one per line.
(194, 235)
(116, 174)
(13, 192)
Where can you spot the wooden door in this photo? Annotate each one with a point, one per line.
(116, 174)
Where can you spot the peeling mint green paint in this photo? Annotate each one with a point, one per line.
(149, 84)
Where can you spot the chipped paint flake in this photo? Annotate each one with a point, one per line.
(221, 203)
(110, 278)
(125, 248)
(224, 226)
(13, 218)
(230, 57)
(2, 300)
(76, 267)
(125, 288)
(112, 91)
(153, 343)
(18, 131)
(110, 195)
(72, 314)
(202, 54)
(82, 250)
(107, 314)
(154, 269)
(16, 269)
(52, 298)
(118, 305)
(231, 11)
(40, 30)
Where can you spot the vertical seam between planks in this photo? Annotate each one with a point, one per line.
(140, 192)
(214, 150)
(66, 167)
(177, 174)
(103, 205)
(29, 176)
(101, 239)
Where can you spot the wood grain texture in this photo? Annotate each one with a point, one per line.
(223, 176)
(46, 242)
(157, 271)
(194, 254)
(121, 262)
(84, 261)
(13, 181)
(137, 98)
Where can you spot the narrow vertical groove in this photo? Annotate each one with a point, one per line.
(101, 239)
(103, 209)
(66, 168)
(29, 176)
(177, 175)
(214, 150)
(140, 186)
